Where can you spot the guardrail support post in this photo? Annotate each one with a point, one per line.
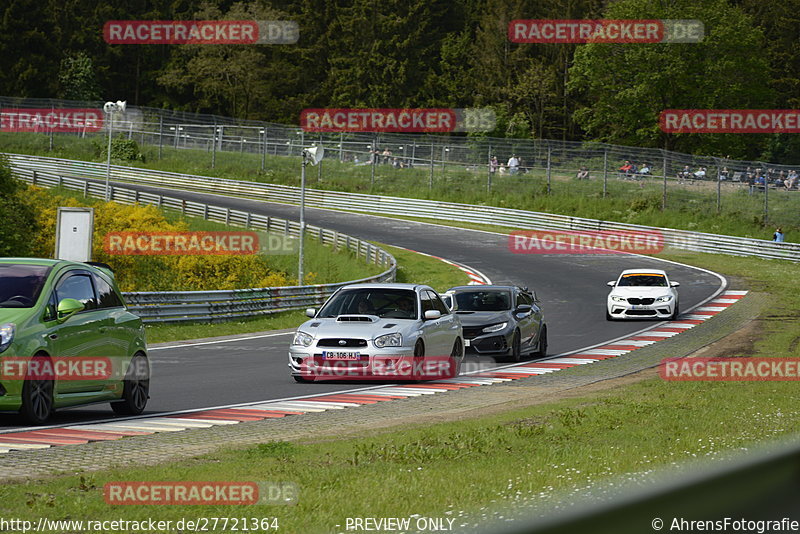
(205, 211)
(227, 216)
(247, 221)
(34, 178)
(135, 196)
(85, 189)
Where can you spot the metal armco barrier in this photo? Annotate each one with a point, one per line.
(182, 306)
(520, 219)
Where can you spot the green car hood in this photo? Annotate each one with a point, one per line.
(14, 315)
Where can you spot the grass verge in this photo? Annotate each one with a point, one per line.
(466, 469)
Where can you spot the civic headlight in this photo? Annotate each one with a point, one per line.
(494, 328)
(665, 298)
(389, 340)
(7, 335)
(615, 298)
(302, 339)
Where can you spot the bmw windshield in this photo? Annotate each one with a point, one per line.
(643, 280)
(20, 285)
(388, 303)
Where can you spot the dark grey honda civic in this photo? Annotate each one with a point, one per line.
(499, 321)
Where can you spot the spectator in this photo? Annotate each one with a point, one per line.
(778, 235)
(493, 164)
(684, 174)
(633, 170)
(723, 174)
(645, 170)
(395, 163)
(513, 164)
(791, 180)
(502, 169)
(583, 174)
(625, 167)
(700, 173)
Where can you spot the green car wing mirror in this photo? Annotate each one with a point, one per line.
(67, 308)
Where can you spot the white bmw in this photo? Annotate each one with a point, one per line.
(642, 294)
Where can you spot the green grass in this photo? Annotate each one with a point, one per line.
(690, 207)
(467, 469)
(419, 269)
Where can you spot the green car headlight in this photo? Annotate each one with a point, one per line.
(389, 340)
(7, 331)
(302, 339)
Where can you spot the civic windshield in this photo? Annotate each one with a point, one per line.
(20, 285)
(483, 301)
(393, 303)
(647, 280)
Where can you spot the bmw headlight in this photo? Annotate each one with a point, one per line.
(616, 298)
(494, 328)
(302, 339)
(389, 340)
(7, 335)
(665, 298)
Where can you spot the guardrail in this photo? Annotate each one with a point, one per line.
(520, 219)
(181, 306)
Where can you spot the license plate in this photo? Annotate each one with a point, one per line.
(466, 342)
(329, 355)
(640, 307)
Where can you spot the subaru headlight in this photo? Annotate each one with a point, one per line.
(494, 328)
(616, 298)
(7, 335)
(302, 339)
(389, 340)
(665, 298)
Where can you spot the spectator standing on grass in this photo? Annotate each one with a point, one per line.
(778, 235)
(493, 164)
(513, 164)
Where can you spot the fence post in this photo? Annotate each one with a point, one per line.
(719, 188)
(489, 172)
(214, 146)
(664, 194)
(264, 149)
(430, 180)
(766, 196)
(160, 135)
(341, 147)
(605, 171)
(549, 151)
(374, 160)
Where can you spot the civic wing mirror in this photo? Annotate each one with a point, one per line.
(523, 308)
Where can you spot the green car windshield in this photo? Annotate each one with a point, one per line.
(20, 285)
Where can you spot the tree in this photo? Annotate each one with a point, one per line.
(77, 78)
(17, 220)
(628, 85)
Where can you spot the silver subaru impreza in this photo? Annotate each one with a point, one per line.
(378, 332)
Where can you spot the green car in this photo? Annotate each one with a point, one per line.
(67, 339)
